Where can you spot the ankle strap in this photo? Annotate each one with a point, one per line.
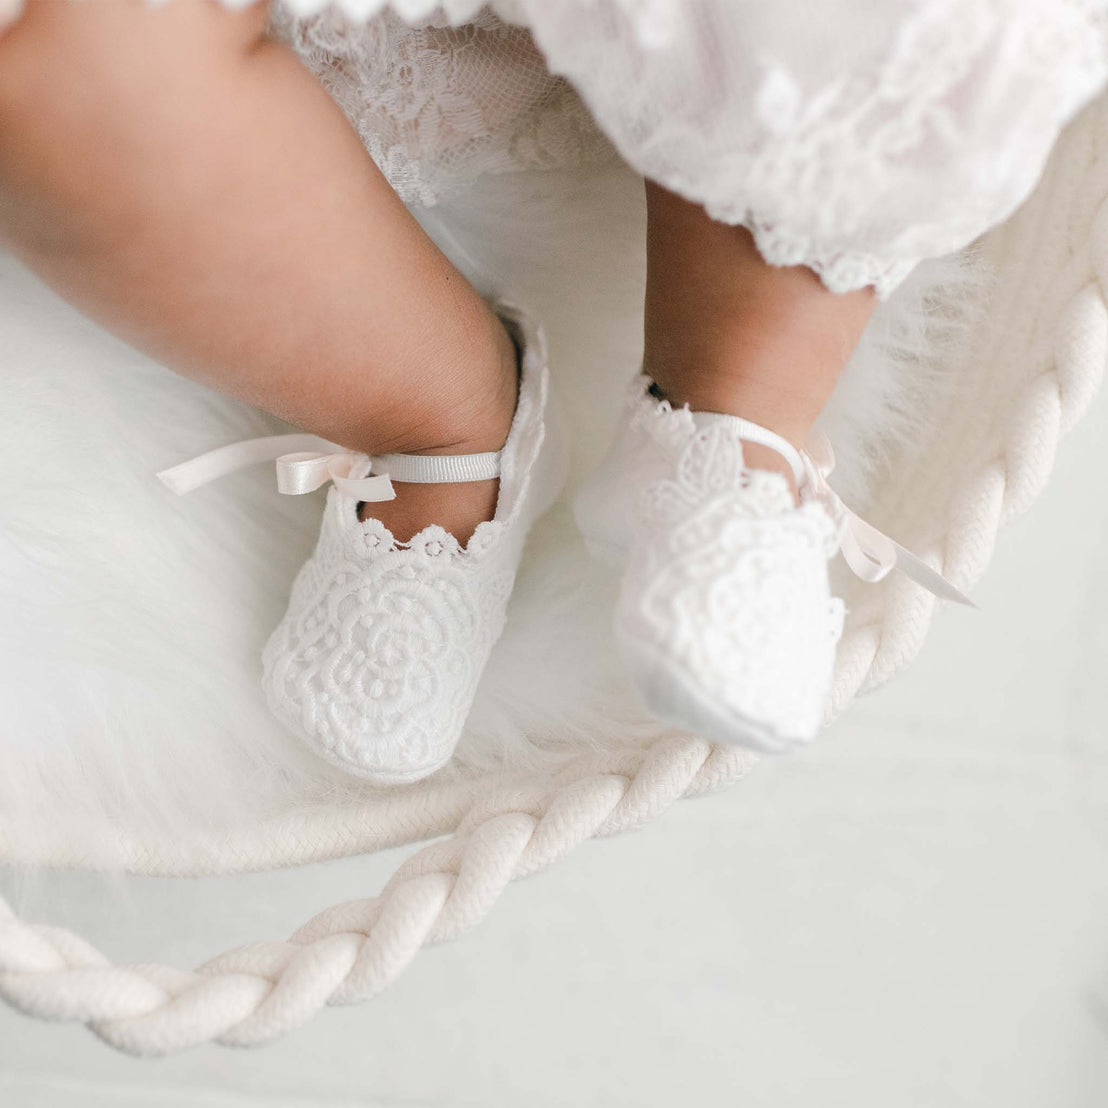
(438, 469)
(763, 436)
(307, 462)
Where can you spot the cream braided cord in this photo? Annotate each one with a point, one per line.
(351, 952)
(1066, 369)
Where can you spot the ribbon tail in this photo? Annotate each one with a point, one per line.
(920, 572)
(871, 554)
(218, 463)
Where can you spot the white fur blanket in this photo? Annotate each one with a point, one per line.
(131, 621)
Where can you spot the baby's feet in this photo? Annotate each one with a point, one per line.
(378, 658)
(725, 619)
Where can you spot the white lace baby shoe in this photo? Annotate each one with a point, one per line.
(725, 619)
(377, 659)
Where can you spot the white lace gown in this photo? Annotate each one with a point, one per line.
(852, 136)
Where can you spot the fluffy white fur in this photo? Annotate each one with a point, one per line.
(131, 621)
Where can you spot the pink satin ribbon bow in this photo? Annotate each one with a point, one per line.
(870, 553)
(304, 464)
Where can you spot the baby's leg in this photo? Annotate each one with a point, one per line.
(725, 332)
(187, 183)
(725, 619)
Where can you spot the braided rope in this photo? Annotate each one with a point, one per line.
(352, 951)
(1068, 371)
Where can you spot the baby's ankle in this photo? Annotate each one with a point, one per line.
(731, 391)
(470, 416)
(464, 406)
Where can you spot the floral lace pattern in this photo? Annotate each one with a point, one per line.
(851, 137)
(382, 646)
(437, 104)
(725, 595)
(729, 583)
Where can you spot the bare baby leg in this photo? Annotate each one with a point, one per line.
(725, 332)
(187, 183)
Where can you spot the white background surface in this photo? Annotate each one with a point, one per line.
(915, 912)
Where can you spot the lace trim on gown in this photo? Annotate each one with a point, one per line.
(854, 143)
(437, 105)
(851, 137)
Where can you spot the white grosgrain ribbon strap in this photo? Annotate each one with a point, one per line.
(756, 433)
(304, 464)
(870, 553)
(307, 462)
(439, 469)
